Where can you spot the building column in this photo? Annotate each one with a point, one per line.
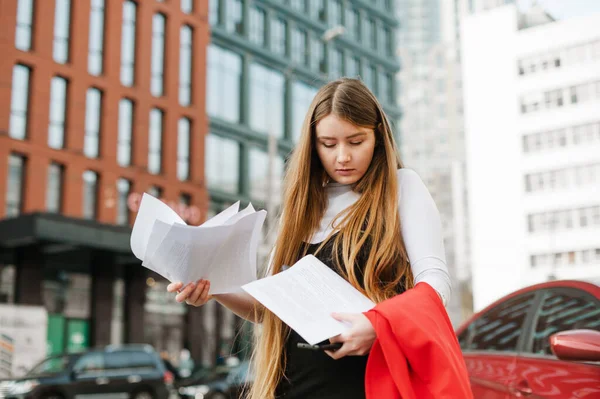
(194, 332)
(103, 270)
(30, 274)
(135, 297)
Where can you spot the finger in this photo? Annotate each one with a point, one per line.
(195, 295)
(347, 317)
(174, 287)
(337, 338)
(338, 354)
(205, 295)
(185, 293)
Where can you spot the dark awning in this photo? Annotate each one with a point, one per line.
(46, 228)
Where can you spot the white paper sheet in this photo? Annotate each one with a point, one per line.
(305, 295)
(222, 250)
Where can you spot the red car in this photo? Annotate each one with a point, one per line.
(540, 342)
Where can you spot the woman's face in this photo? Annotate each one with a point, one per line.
(345, 150)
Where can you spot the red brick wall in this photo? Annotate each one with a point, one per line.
(43, 68)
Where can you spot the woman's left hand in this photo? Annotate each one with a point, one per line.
(357, 341)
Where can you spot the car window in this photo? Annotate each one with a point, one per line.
(499, 328)
(563, 310)
(130, 360)
(50, 366)
(89, 363)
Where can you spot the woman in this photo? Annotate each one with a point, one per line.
(348, 201)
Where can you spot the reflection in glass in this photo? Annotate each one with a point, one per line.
(123, 187)
(19, 102)
(222, 167)
(266, 100)
(90, 191)
(303, 95)
(155, 141)
(62, 24)
(23, 31)
(128, 43)
(233, 20)
(125, 132)
(58, 100)
(223, 85)
(96, 40)
(259, 182)
(183, 149)
(157, 65)
(14, 185)
(185, 65)
(54, 187)
(93, 109)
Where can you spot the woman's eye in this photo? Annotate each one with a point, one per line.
(356, 143)
(328, 145)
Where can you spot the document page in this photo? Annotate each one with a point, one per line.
(305, 295)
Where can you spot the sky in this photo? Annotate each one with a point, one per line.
(562, 9)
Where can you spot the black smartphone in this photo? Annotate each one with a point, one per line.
(320, 347)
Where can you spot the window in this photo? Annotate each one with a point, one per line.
(183, 149)
(233, 20)
(222, 164)
(90, 192)
(128, 43)
(223, 86)
(96, 40)
(385, 41)
(158, 55)
(213, 10)
(90, 363)
(54, 188)
(352, 26)
(352, 65)
(369, 77)
(62, 25)
(93, 110)
(123, 187)
(23, 32)
(187, 6)
(299, 53)
(257, 26)
(259, 176)
(500, 328)
(266, 100)
(317, 10)
(185, 65)
(370, 34)
(19, 102)
(335, 13)
(130, 361)
(299, 5)
(278, 42)
(155, 141)
(564, 310)
(336, 63)
(58, 106)
(302, 97)
(14, 185)
(317, 62)
(155, 191)
(125, 132)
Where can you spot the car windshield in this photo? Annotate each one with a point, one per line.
(50, 366)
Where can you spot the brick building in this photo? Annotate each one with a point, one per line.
(100, 100)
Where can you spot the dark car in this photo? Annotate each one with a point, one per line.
(133, 371)
(230, 387)
(541, 342)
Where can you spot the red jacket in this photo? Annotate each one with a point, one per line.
(416, 354)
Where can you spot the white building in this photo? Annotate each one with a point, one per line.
(532, 128)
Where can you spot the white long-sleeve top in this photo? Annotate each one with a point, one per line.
(420, 223)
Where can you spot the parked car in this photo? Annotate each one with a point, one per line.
(230, 387)
(542, 341)
(133, 371)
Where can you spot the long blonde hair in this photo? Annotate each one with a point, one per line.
(373, 218)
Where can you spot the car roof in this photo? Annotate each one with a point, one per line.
(590, 286)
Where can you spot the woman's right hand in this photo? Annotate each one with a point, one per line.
(195, 294)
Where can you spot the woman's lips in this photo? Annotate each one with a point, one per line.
(344, 172)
